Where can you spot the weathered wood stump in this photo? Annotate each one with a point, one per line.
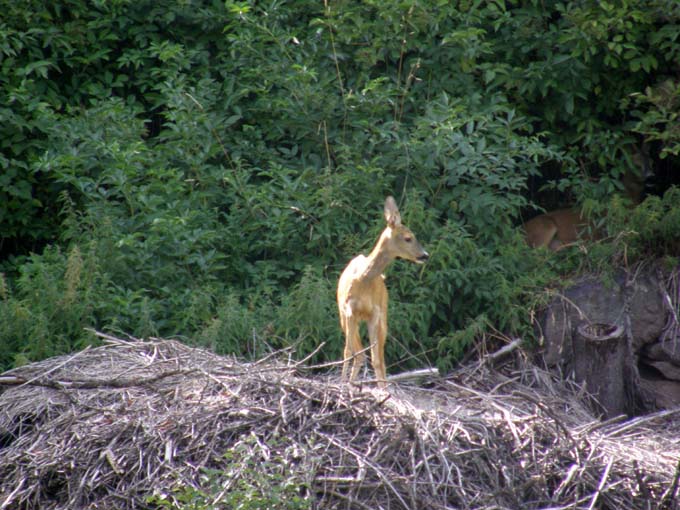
(645, 302)
(601, 360)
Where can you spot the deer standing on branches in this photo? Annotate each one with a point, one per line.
(362, 295)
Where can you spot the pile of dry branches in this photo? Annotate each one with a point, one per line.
(137, 424)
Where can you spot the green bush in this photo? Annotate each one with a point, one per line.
(215, 165)
(650, 229)
(54, 301)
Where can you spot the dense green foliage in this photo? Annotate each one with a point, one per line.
(206, 169)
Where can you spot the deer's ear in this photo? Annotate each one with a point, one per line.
(392, 215)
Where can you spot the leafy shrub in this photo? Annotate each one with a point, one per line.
(308, 315)
(237, 327)
(54, 302)
(215, 165)
(650, 229)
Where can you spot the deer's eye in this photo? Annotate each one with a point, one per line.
(408, 239)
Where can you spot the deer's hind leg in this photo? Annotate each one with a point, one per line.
(377, 333)
(353, 348)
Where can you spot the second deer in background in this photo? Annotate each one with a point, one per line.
(362, 295)
(564, 227)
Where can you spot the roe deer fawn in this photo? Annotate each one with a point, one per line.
(563, 227)
(362, 295)
(555, 229)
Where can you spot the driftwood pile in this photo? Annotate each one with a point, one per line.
(137, 424)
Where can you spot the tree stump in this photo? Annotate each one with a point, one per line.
(601, 360)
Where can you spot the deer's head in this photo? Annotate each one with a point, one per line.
(400, 241)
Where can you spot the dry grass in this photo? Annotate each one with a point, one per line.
(111, 426)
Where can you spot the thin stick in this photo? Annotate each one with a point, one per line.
(414, 374)
(10, 496)
(503, 352)
(603, 481)
(212, 130)
(642, 485)
(57, 367)
(669, 495)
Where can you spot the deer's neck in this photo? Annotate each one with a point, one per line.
(378, 259)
